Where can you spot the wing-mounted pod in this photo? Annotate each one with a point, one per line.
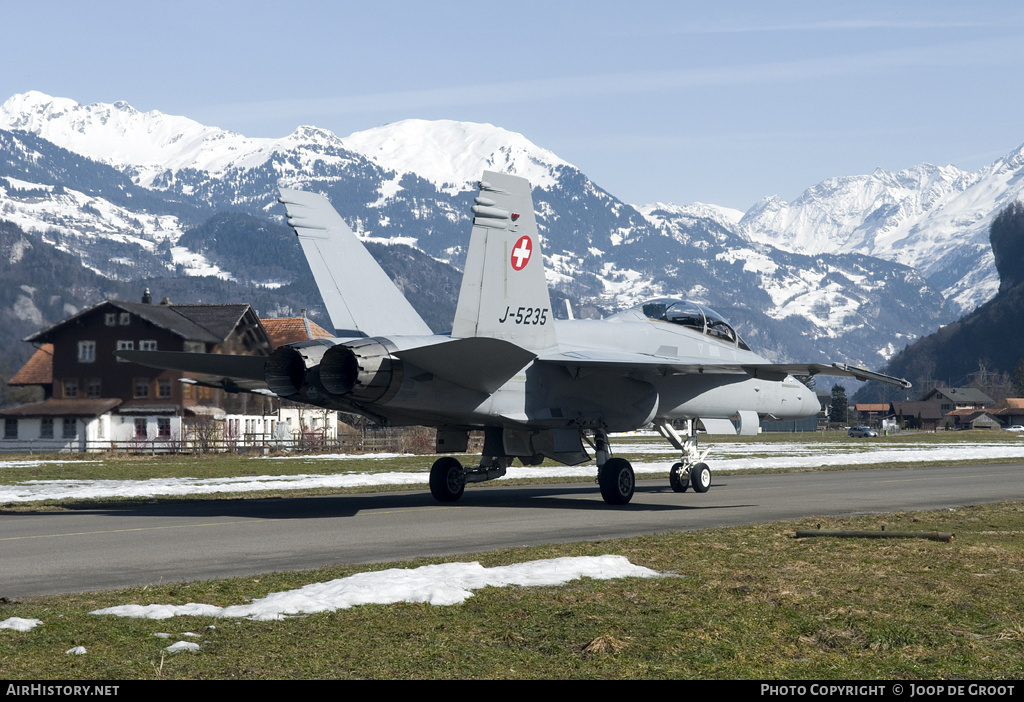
(294, 369)
(362, 370)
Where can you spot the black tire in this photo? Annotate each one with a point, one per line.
(676, 480)
(617, 481)
(447, 479)
(700, 477)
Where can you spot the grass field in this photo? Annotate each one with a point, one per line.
(741, 603)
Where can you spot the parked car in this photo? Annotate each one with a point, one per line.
(1015, 427)
(862, 432)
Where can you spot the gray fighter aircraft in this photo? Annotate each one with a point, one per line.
(538, 387)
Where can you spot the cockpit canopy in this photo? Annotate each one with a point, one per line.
(689, 314)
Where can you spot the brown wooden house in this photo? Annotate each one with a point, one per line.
(113, 400)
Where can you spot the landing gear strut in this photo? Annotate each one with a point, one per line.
(448, 479)
(690, 471)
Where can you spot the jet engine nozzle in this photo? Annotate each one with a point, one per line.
(362, 370)
(292, 369)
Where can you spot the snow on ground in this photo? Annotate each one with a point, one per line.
(19, 624)
(724, 456)
(442, 584)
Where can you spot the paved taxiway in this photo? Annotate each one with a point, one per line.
(53, 552)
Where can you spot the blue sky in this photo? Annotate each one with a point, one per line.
(721, 102)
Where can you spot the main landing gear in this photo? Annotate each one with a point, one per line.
(448, 478)
(614, 475)
(691, 470)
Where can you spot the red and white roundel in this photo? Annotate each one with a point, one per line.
(521, 253)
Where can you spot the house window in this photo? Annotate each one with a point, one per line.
(11, 428)
(140, 428)
(110, 319)
(86, 351)
(125, 346)
(70, 429)
(46, 428)
(126, 319)
(147, 345)
(194, 347)
(101, 428)
(163, 390)
(70, 389)
(94, 387)
(141, 389)
(163, 425)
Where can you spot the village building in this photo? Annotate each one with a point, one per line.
(949, 399)
(91, 400)
(970, 419)
(1012, 413)
(871, 414)
(917, 415)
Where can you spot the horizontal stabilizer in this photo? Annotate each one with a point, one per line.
(478, 363)
(360, 297)
(216, 364)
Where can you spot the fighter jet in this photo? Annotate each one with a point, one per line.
(537, 387)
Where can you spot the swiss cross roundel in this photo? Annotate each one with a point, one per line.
(521, 253)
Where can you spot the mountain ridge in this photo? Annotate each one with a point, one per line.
(602, 253)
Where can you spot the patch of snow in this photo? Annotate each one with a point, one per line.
(179, 647)
(442, 584)
(19, 624)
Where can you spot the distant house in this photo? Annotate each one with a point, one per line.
(38, 372)
(1012, 413)
(971, 419)
(871, 414)
(918, 415)
(949, 399)
(93, 399)
(958, 404)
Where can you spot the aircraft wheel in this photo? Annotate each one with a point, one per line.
(700, 477)
(676, 480)
(617, 481)
(447, 479)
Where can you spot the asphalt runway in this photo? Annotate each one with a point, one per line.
(57, 552)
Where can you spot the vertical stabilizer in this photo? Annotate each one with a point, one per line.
(360, 298)
(504, 293)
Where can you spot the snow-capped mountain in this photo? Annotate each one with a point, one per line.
(805, 280)
(451, 155)
(934, 219)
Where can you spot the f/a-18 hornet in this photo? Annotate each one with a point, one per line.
(537, 387)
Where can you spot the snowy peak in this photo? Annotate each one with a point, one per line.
(933, 218)
(116, 134)
(449, 154)
(452, 154)
(142, 143)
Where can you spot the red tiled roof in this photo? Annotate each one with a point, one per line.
(38, 370)
(288, 330)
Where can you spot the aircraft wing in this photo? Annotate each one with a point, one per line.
(232, 373)
(625, 361)
(777, 371)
